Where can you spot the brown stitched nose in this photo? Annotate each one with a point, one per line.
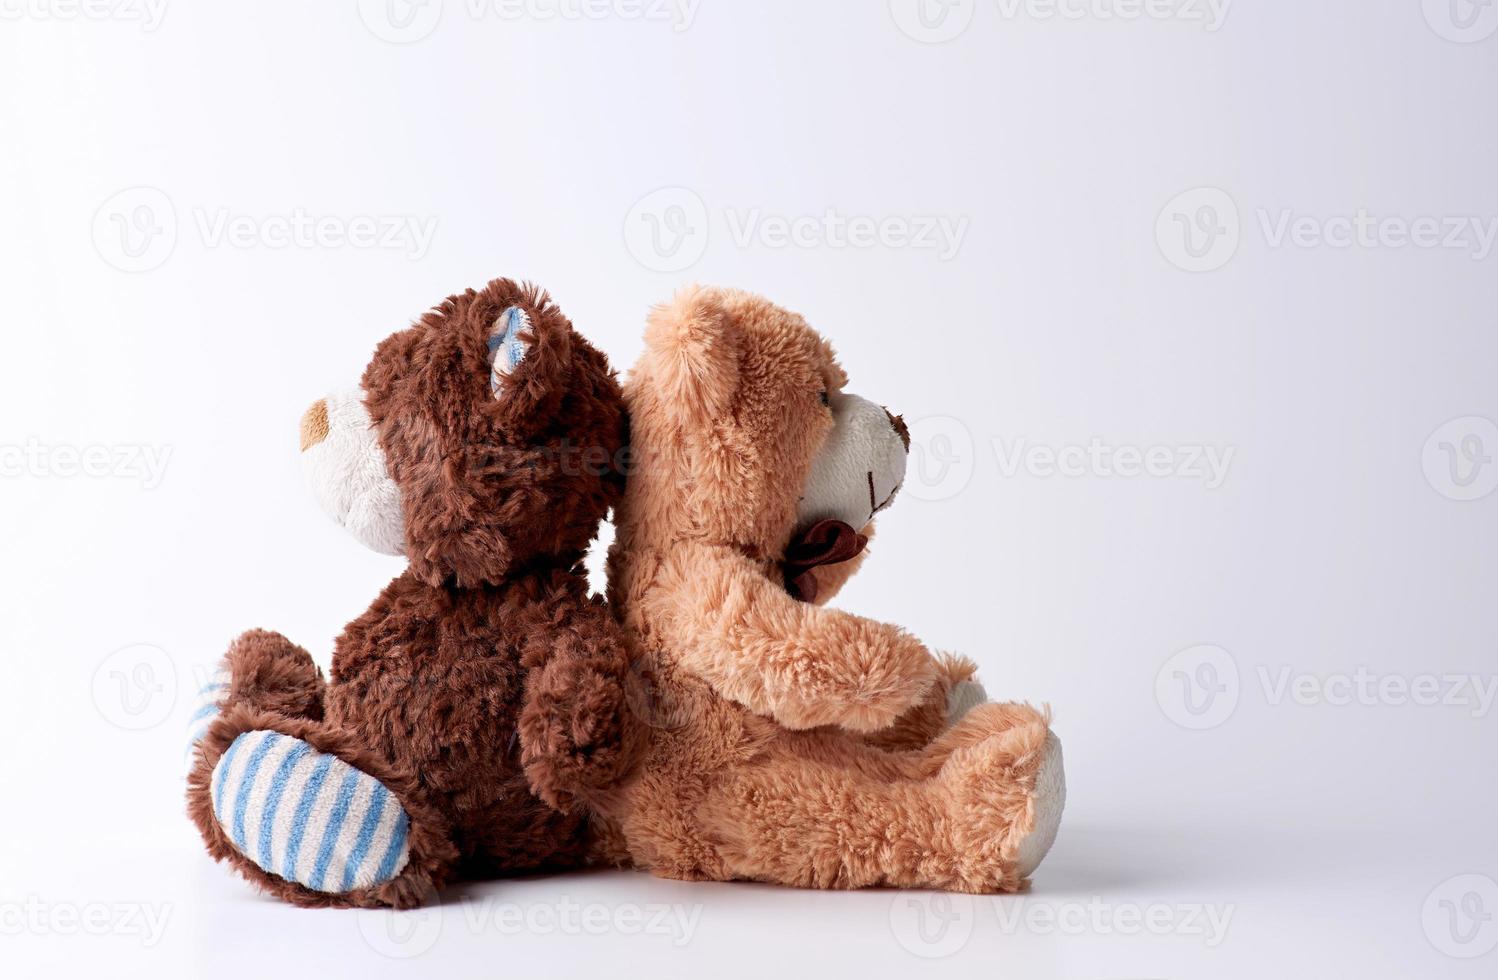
(315, 424)
(903, 431)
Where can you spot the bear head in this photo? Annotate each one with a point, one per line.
(485, 437)
(745, 435)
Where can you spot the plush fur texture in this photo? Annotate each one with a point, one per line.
(791, 743)
(485, 686)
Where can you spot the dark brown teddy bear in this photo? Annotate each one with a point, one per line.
(479, 706)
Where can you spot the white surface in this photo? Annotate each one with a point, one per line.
(1311, 546)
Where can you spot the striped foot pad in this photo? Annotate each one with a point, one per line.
(206, 707)
(308, 816)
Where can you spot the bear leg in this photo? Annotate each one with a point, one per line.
(304, 812)
(265, 671)
(973, 812)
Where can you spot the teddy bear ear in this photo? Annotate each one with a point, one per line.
(506, 348)
(693, 348)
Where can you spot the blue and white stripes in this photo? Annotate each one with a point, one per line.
(206, 707)
(506, 349)
(308, 816)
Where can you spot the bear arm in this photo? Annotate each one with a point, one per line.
(577, 734)
(916, 728)
(803, 665)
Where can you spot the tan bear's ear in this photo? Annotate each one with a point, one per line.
(693, 350)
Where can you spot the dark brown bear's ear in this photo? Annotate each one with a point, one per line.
(509, 340)
(693, 348)
(528, 364)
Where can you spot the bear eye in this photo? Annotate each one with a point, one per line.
(826, 402)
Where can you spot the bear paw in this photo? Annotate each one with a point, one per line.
(964, 697)
(1007, 792)
(308, 816)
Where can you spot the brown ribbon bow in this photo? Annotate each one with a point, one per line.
(826, 542)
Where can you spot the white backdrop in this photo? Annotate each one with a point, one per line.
(1193, 302)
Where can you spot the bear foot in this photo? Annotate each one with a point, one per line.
(1006, 791)
(308, 816)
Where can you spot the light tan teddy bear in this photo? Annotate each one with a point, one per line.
(791, 742)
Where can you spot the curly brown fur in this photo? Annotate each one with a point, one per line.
(484, 686)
